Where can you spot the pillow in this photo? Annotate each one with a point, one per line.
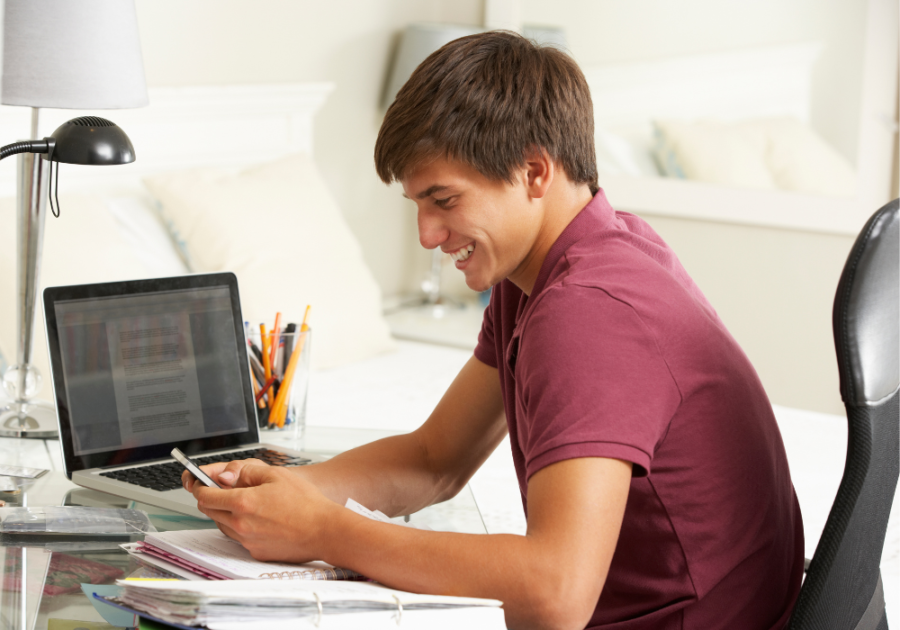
(768, 153)
(801, 161)
(279, 230)
(83, 245)
(714, 152)
(140, 224)
(616, 155)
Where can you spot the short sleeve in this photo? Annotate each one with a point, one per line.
(591, 381)
(486, 350)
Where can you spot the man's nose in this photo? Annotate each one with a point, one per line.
(431, 230)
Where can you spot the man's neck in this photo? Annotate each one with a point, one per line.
(561, 206)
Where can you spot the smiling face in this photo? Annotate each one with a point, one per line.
(492, 229)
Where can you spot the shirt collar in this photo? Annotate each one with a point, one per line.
(596, 214)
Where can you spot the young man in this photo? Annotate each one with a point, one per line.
(651, 469)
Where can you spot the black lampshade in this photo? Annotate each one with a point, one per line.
(91, 140)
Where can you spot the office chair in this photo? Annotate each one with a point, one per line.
(843, 588)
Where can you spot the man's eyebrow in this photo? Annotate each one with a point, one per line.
(428, 191)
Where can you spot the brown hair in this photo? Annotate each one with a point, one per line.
(485, 100)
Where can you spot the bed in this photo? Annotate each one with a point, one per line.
(221, 172)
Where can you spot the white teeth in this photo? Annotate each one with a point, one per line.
(462, 253)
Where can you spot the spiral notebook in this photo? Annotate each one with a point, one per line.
(207, 554)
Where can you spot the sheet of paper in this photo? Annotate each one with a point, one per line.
(446, 619)
(132, 549)
(328, 591)
(8, 484)
(20, 471)
(377, 515)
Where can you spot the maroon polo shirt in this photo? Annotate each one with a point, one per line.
(618, 354)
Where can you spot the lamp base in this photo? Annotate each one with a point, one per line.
(28, 419)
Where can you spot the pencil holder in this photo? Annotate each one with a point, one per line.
(280, 366)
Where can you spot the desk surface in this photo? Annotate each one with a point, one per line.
(31, 593)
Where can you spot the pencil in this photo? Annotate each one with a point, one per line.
(276, 332)
(256, 393)
(267, 367)
(279, 411)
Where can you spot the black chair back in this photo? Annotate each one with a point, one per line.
(843, 588)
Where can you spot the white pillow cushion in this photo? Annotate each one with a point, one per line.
(768, 153)
(801, 161)
(140, 224)
(617, 155)
(83, 245)
(714, 152)
(278, 229)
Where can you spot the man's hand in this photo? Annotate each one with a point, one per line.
(226, 474)
(274, 513)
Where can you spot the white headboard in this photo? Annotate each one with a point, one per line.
(227, 126)
(770, 81)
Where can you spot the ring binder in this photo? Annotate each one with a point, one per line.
(319, 609)
(332, 573)
(399, 608)
(198, 603)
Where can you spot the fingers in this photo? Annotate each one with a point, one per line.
(225, 473)
(256, 475)
(227, 531)
(187, 480)
(232, 471)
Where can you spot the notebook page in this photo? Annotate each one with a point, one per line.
(448, 619)
(332, 591)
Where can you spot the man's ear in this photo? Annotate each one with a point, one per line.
(539, 172)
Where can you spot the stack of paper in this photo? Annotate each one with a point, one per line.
(212, 604)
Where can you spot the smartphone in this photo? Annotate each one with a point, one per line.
(194, 469)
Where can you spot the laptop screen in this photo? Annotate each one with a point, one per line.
(137, 371)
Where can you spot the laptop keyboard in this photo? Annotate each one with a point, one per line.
(167, 475)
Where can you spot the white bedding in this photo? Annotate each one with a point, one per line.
(398, 390)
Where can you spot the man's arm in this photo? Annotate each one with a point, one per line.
(551, 577)
(405, 473)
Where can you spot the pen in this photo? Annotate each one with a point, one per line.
(288, 338)
(264, 389)
(257, 369)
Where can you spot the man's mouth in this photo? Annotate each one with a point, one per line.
(462, 253)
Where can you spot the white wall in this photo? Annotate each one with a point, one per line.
(604, 31)
(348, 42)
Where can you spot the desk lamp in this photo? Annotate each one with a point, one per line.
(69, 55)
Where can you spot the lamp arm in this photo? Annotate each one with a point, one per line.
(28, 146)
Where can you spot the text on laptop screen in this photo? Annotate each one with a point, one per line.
(148, 369)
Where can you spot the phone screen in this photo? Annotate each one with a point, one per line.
(194, 469)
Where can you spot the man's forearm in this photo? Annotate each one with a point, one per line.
(405, 473)
(393, 475)
(551, 577)
(513, 569)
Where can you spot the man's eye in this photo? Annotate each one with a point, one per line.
(442, 203)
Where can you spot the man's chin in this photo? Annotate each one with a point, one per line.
(478, 284)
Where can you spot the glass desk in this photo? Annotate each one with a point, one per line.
(41, 578)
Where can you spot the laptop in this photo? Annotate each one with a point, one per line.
(141, 367)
